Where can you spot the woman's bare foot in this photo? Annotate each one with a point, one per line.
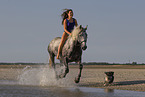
(57, 56)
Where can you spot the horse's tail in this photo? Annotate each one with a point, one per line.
(50, 62)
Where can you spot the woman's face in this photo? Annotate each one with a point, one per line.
(70, 14)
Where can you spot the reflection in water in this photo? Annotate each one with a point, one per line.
(109, 90)
(47, 91)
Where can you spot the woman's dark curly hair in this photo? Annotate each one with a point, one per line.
(64, 15)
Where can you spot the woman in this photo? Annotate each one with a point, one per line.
(68, 22)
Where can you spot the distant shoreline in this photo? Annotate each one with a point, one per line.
(84, 63)
(37, 65)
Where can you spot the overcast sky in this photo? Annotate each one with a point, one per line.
(116, 29)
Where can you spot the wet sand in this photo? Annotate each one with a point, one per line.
(126, 77)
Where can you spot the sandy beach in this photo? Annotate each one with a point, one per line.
(126, 77)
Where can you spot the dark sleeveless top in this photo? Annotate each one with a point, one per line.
(70, 26)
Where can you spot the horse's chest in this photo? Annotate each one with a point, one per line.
(75, 54)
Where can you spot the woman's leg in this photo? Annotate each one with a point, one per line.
(63, 39)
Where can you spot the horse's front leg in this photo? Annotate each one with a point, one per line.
(77, 79)
(66, 69)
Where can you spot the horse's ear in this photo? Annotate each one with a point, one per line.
(86, 27)
(80, 26)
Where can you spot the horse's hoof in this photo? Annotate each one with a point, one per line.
(61, 76)
(77, 80)
(57, 77)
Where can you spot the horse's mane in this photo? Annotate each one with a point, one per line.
(75, 32)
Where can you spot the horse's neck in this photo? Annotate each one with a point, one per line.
(70, 47)
(70, 43)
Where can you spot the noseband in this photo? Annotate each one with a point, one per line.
(83, 41)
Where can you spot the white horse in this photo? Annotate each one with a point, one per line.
(71, 51)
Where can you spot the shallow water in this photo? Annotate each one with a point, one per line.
(41, 82)
(43, 91)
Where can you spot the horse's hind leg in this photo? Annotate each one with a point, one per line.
(52, 64)
(77, 79)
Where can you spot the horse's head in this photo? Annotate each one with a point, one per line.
(82, 37)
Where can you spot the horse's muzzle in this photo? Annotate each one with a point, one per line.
(84, 47)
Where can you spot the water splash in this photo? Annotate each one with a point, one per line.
(44, 76)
